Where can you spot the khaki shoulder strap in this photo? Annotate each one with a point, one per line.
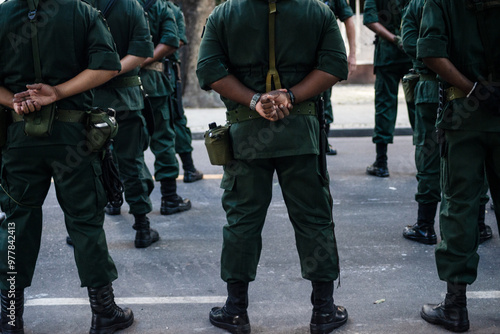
(272, 74)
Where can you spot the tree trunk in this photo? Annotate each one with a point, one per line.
(195, 12)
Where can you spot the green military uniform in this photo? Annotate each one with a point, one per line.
(130, 31)
(342, 11)
(163, 30)
(183, 136)
(450, 30)
(29, 163)
(288, 146)
(390, 65)
(426, 104)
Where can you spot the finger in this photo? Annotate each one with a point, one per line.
(37, 105)
(284, 110)
(34, 86)
(22, 95)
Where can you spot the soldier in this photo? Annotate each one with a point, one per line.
(128, 25)
(72, 51)
(344, 13)
(156, 84)
(425, 139)
(459, 41)
(390, 65)
(306, 58)
(183, 136)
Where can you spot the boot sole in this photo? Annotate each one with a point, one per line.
(234, 329)
(422, 241)
(170, 211)
(326, 328)
(450, 327)
(114, 328)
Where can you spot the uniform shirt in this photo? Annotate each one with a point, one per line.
(388, 13)
(128, 25)
(76, 39)
(67, 47)
(181, 27)
(450, 30)
(425, 91)
(235, 42)
(340, 8)
(163, 31)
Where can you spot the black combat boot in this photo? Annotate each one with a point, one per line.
(423, 230)
(233, 316)
(326, 316)
(170, 201)
(12, 306)
(379, 167)
(191, 174)
(485, 231)
(107, 317)
(145, 235)
(452, 313)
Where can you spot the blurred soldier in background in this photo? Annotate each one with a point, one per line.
(163, 30)
(390, 63)
(183, 136)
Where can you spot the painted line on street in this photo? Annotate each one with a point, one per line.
(205, 177)
(483, 294)
(129, 301)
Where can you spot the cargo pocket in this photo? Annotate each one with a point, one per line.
(228, 181)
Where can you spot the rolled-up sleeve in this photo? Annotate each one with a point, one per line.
(433, 40)
(102, 53)
(370, 12)
(168, 29)
(140, 44)
(332, 55)
(212, 61)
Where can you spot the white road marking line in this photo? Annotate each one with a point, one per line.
(129, 301)
(483, 294)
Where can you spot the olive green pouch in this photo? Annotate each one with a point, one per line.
(409, 83)
(39, 123)
(218, 144)
(101, 127)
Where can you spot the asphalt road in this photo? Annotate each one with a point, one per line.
(172, 285)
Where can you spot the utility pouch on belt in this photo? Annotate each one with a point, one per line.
(409, 83)
(39, 123)
(101, 127)
(218, 144)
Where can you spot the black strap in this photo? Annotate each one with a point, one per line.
(33, 7)
(148, 5)
(108, 8)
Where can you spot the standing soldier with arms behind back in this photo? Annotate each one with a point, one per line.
(459, 41)
(425, 139)
(390, 65)
(71, 51)
(156, 84)
(301, 52)
(183, 137)
(130, 31)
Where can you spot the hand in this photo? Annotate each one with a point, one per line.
(399, 42)
(274, 105)
(34, 98)
(351, 61)
(487, 96)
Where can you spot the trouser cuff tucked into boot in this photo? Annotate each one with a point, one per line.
(107, 317)
(12, 309)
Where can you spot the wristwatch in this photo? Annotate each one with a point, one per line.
(255, 99)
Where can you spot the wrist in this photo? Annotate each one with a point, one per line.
(253, 102)
(291, 96)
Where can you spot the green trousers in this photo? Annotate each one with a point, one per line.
(386, 101)
(162, 142)
(26, 174)
(471, 155)
(248, 186)
(128, 150)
